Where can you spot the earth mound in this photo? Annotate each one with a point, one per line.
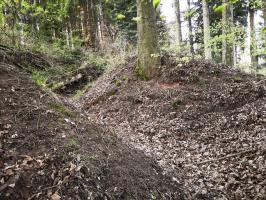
(203, 120)
(50, 151)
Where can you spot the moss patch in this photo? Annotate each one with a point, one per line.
(63, 110)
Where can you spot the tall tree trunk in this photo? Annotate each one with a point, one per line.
(190, 28)
(253, 42)
(264, 27)
(83, 19)
(101, 24)
(227, 45)
(179, 25)
(67, 35)
(264, 11)
(92, 23)
(148, 52)
(206, 30)
(71, 35)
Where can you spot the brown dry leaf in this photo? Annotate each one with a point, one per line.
(55, 196)
(9, 172)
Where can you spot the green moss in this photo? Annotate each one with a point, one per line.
(73, 143)
(177, 103)
(153, 197)
(237, 79)
(195, 78)
(89, 158)
(81, 92)
(63, 110)
(40, 78)
(96, 60)
(55, 85)
(141, 73)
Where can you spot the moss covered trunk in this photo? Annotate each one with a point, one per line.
(148, 52)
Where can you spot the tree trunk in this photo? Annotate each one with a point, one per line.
(179, 25)
(206, 30)
(92, 37)
(253, 42)
(67, 35)
(148, 52)
(71, 35)
(264, 12)
(190, 28)
(227, 45)
(264, 27)
(83, 20)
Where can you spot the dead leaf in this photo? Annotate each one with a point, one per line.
(55, 196)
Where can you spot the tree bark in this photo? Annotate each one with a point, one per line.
(227, 45)
(253, 42)
(92, 37)
(190, 30)
(83, 19)
(148, 52)
(264, 12)
(179, 25)
(206, 30)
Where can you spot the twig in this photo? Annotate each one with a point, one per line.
(222, 158)
(10, 181)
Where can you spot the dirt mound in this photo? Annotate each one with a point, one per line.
(198, 118)
(49, 151)
(23, 59)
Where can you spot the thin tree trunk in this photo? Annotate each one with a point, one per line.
(264, 12)
(67, 36)
(264, 20)
(179, 25)
(148, 52)
(253, 42)
(206, 31)
(83, 20)
(101, 23)
(190, 30)
(71, 35)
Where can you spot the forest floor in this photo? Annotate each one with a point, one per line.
(204, 123)
(196, 132)
(49, 150)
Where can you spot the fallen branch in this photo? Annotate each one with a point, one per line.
(222, 158)
(10, 181)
